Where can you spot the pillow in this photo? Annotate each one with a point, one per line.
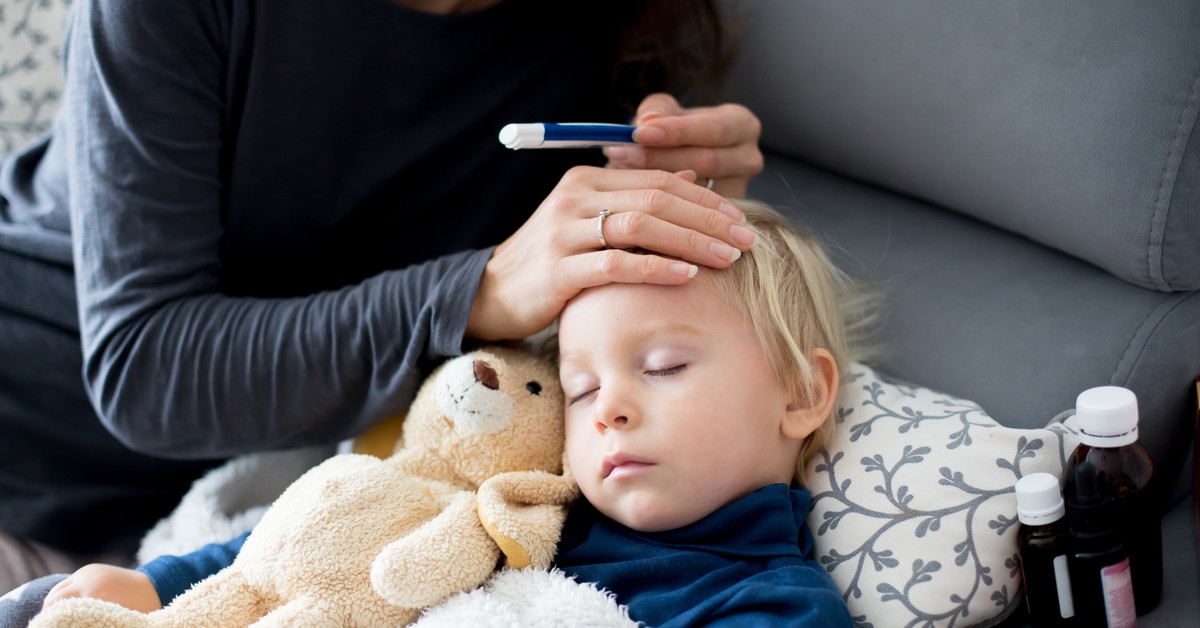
(913, 509)
(31, 78)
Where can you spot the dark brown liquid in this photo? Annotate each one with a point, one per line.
(1039, 546)
(1126, 474)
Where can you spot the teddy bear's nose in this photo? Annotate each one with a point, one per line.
(486, 375)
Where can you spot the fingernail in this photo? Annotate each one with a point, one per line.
(690, 175)
(649, 135)
(724, 251)
(742, 235)
(732, 212)
(684, 270)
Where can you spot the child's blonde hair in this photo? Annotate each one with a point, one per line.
(796, 300)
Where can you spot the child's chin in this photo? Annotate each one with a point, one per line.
(646, 520)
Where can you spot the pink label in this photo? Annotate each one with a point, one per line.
(1118, 595)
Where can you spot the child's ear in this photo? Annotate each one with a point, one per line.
(806, 414)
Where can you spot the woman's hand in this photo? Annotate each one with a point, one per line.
(559, 251)
(128, 587)
(718, 143)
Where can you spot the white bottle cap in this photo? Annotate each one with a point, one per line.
(1039, 500)
(1107, 416)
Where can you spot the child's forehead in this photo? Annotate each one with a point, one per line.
(628, 309)
(678, 300)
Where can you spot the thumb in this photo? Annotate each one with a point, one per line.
(688, 175)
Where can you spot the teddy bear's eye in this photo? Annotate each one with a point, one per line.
(534, 388)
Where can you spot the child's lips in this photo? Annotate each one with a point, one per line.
(621, 465)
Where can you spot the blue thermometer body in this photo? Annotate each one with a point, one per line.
(565, 135)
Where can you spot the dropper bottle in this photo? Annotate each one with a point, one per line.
(1108, 422)
(1101, 579)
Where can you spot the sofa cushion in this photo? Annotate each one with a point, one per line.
(31, 34)
(1071, 122)
(914, 513)
(993, 317)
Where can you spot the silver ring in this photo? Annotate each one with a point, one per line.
(710, 183)
(600, 227)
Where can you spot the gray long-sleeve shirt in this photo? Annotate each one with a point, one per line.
(278, 210)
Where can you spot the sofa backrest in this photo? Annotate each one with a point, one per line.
(1072, 122)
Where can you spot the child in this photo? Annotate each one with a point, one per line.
(691, 414)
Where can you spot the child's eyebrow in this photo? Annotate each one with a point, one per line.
(634, 336)
(566, 359)
(671, 328)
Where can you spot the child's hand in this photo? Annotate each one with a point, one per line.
(128, 587)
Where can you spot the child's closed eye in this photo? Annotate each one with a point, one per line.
(663, 372)
(667, 372)
(582, 396)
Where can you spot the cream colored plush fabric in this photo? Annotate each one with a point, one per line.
(363, 541)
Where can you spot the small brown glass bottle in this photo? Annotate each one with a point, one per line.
(1042, 543)
(1108, 418)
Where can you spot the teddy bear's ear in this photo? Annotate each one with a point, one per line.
(524, 511)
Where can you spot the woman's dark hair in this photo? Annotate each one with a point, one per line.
(678, 46)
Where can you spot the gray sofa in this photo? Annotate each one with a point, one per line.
(1021, 179)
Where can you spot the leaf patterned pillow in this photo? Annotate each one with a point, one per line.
(913, 507)
(31, 78)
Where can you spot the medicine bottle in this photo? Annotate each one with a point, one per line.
(1042, 545)
(1108, 422)
(1101, 577)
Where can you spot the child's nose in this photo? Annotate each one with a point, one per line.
(608, 422)
(614, 412)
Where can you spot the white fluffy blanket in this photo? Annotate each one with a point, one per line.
(528, 598)
(230, 500)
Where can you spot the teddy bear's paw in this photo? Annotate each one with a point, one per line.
(302, 612)
(448, 554)
(90, 612)
(421, 578)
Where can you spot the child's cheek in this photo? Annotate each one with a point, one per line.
(585, 466)
(578, 457)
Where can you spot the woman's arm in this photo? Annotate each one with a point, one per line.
(174, 367)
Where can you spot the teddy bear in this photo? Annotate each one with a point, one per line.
(478, 476)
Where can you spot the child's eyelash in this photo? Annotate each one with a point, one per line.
(667, 372)
(580, 397)
(671, 370)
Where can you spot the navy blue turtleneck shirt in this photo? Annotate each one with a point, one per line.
(747, 564)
